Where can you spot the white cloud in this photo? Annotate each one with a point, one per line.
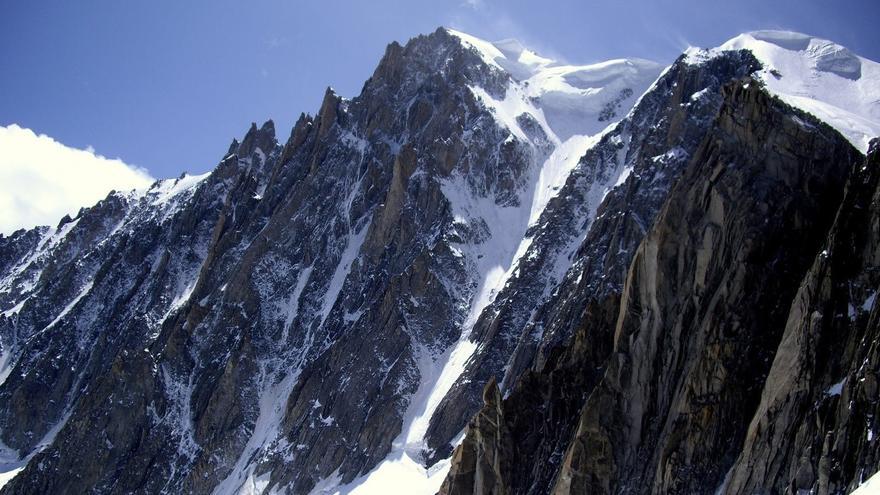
(41, 179)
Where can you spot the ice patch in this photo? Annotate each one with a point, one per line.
(675, 154)
(835, 389)
(82, 293)
(506, 111)
(394, 473)
(256, 485)
(292, 309)
(273, 400)
(699, 94)
(432, 391)
(183, 294)
(352, 248)
(6, 363)
(8, 471)
(178, 417)
(15, 309)
(328, 485)
(868, 305)
(11, 463)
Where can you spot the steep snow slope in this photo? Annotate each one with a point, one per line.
(815, 75)
(870, 487)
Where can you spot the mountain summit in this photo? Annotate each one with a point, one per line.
(489, 272)
(815, 75)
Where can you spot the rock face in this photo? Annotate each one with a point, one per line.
(591, 270)
(483, 460)
(815, 426)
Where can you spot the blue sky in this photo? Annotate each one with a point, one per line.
(165, 85)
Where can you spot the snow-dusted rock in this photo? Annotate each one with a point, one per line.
(322, 314)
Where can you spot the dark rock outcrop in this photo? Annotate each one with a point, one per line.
(815, 427)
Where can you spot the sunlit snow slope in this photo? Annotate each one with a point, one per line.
(817, 76)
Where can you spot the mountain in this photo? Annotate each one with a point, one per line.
(489, 271)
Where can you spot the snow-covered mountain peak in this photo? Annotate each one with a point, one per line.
(815, 75)
(509, 55)
(572, 99)
(514, 51)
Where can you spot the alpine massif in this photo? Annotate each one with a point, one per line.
(489, 273)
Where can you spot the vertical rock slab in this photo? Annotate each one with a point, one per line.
(816, 427)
